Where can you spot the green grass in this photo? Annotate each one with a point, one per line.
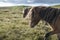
(57, 6)
(14, 27)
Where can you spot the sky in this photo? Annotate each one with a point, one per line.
(28, 2)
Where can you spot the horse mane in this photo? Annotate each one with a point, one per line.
(49, 14)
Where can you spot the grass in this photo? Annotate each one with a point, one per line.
(14, 27)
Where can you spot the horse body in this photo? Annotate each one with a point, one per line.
(48, 14)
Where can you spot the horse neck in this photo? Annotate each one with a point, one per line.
(47, 16)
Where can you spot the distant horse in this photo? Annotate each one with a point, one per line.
(48, 14)
(25, 11)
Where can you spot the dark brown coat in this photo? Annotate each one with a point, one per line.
(48, 14)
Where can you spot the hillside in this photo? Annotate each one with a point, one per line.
(14, 27)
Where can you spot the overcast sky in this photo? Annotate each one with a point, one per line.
(15, 2)
(31, 1)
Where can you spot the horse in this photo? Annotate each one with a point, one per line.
(48, 14)
(25, 11)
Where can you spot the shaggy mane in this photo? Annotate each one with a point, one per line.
(49, 14)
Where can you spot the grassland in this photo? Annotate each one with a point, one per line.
(14, 27)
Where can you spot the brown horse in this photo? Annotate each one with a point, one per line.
(50, 15)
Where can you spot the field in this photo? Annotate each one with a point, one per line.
(14, 27)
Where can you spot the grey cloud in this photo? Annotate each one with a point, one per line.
(32, 1)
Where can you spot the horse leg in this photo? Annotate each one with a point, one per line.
(49, 33)
(58, 35)
(57, 25)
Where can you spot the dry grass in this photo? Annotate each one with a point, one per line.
(14, 27)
